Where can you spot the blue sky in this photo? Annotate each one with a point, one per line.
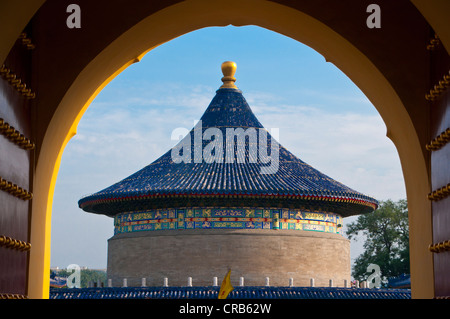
(322, 117)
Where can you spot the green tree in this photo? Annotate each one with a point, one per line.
(386, 235)
(90, 275)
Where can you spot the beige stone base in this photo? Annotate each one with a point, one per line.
(252, 254)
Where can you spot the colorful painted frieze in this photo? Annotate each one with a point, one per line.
(227, 218)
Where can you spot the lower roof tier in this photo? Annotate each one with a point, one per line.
(340, 204)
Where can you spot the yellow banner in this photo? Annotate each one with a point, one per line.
(226, 286)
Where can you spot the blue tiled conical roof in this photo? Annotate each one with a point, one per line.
(194, 173)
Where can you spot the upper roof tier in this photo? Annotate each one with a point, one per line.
(209, 167)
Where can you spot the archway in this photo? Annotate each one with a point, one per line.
(184, 17)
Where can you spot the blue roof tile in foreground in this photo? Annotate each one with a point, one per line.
(209, 292)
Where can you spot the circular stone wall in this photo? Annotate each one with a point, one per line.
(250, 253)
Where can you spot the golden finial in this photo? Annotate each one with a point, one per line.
(228, 70)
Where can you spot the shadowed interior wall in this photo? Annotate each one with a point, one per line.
(16, 162)
(439, 149)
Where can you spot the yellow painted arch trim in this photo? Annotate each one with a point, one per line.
(191, 15)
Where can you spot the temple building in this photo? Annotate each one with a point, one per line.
(228, 196)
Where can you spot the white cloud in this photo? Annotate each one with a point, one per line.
(350, 148)
(349, 145)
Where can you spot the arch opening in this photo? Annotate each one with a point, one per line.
(323, 118)
(191, 16)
